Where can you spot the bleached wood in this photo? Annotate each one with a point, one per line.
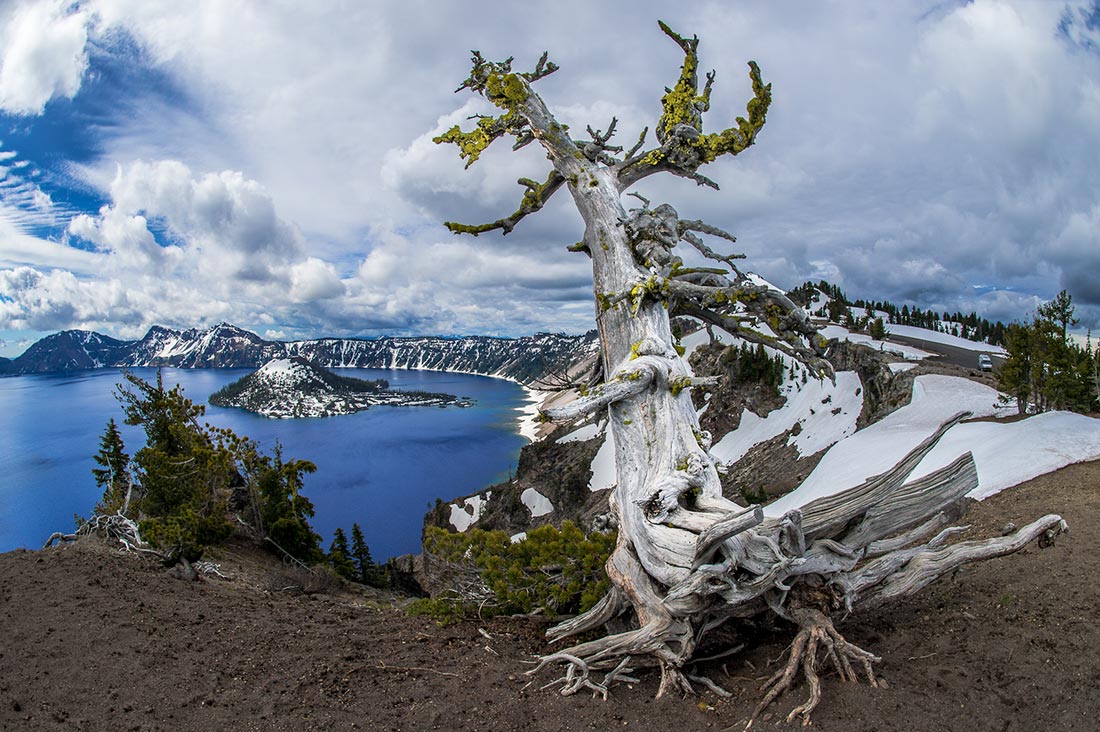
(686, 558)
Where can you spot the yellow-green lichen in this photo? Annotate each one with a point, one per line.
(678, 384)
(679, 104)
(507, 91)
(736, 139)
(471, 144)
(655, 286)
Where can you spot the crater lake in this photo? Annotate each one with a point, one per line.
(381, 468)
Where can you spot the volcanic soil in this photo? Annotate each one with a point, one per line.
(97, 640)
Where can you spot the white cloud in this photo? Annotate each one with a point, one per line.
(314, 280)
(912, 151)
(43, 54)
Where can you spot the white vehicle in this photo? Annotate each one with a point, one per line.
(985, 363)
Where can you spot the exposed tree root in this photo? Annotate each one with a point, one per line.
(578, 675)
(817, 635)
(113, 526)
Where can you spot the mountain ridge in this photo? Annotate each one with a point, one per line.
(524, 360)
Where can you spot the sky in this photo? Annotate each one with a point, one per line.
(271, 164)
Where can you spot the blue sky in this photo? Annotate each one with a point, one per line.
(271, 164)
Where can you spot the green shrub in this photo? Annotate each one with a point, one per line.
(557, 570)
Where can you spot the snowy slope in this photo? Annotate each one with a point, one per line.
(911, 353)
(1005, 453)
(827, 412)
(911, 331)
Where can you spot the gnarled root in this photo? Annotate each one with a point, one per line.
(816, 634)
(578, 675)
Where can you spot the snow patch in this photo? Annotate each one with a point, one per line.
(897, 368)
(603, 466)
(529, 413)
(277, 365)
(537, 504)
(911, 331)
(584, 433)
(700, 337)
(908, 352)
(465, 514)
(826, 412)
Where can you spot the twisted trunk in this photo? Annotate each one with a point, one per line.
(662, 466)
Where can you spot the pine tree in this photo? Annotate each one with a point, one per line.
(877, 329)
(1059, 311)
(283, 511)
(114, 474)
(367, 572)
(185, 471)
(187, 475)
(339, 556)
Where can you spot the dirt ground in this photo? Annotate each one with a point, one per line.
(94, 640)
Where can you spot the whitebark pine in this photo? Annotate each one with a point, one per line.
(687, 558)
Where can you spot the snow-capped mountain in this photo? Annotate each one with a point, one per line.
(69, 350)
(524, 360)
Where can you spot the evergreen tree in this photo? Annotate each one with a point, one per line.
(283, 512)
(185, 472)
(367, 572)
(113, 475)
(339, 556)
(1059, 312)
(877, 329)
(188, 474)
(1045, 370)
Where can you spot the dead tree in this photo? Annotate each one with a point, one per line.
(687, 559)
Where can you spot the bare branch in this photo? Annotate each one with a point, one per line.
(542, 69)
(534, 199)
(638, 145)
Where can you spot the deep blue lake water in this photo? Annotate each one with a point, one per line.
(381, 468)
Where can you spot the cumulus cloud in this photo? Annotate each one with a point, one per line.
(913, 152)
(43, 54)
(172, 247)
(313, 279)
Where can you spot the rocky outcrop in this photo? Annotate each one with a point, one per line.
(290, 388)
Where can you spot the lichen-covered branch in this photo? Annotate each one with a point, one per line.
(634, 379)
(534, 198)
(684, 146)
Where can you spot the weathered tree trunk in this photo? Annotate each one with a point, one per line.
(687, 559)
(660, 453)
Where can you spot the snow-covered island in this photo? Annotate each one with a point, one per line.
(289, 388)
